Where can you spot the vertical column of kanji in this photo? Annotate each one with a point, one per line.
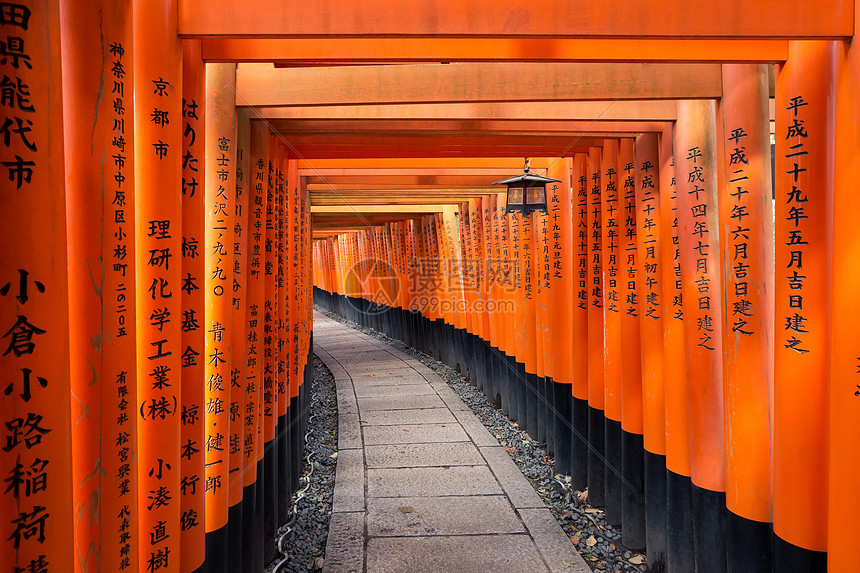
(632, 439)
(470, 289)
(702, 291)
(519, 322)
(805, 126)
(158, 223)
(220, 182)
(283, 350)
(270, 353)
(844, 496)
(476, 262)
(528, 325)
(487, 269)
(102, 310)
(648, 262)
(35, 456)
(252, 552)
(544, 324)
(579, 334)
(537, 292)
(294, 269)
(596, 399)
(561, 245)
(500, 247)
(192, 432)
(675, 550)
(490, 226)
(746, 217)
(238, 343)
(612, 309)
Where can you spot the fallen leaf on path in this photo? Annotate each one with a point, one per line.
(406, 509)
(637, 559)
(591, 541)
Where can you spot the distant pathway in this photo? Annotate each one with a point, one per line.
(421, 485)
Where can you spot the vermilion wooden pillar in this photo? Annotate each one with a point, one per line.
(579, 340)
(613, 305)
(805, 127)
(541, 227)
(596, 417)
(746, 231)
(630, 276)
(252, 539)
(702, 290)
(34, 303)
(102, 341)
(192, 417)
(158, 227)
(561, 245)
(529, 296)
(844, 497)
(677, 546)
(652, 265)
(238, 343)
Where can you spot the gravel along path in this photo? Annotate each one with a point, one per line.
(304, 540)
(598, 543)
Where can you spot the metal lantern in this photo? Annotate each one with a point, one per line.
(526, 192)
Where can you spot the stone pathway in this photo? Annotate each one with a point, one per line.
(421, 485)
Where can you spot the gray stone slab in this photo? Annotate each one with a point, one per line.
(460, 554)
(403, 516)
(348, 432)
(363, 370)
(552, 542)
(421, 455)
(349, 481)
(416, 482)
(451, 399)
(344, 549)
(407, 380)
(346, 403)
(419, 389)
(401, 402)
(414, 434)
(425, 416)
(477, 432)
(516, 486)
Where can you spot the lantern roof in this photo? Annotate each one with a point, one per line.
(528, 180)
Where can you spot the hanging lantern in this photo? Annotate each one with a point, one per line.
(526, 192)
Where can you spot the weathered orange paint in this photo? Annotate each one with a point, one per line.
(802, 370)
(748, 328)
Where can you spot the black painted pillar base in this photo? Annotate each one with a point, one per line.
(522, 402)
(709, 529)
(548, 413)
(562, 399)
(217, 551)
(633, 490)
(596, 465)
(789, 558)
(612, 453)
(539, 408)
(235, 527)
(579, 445)
(530, 397)
(749, 545)
(270, 501)
(656, 513)
(284, 471)
(679, 525)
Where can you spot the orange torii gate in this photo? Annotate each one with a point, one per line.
(200, 390)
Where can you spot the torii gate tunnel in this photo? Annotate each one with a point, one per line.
(182, 179)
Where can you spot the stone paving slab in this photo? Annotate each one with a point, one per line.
(460, 554)
(414, 482)
(364, 391)
(414, 434)
(420, 455)
(423, 488)
(468, 515)
(402, 402)
(424, 416)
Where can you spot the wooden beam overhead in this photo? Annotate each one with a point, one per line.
(609, 110)
(417, 127)
(389, 208)
(504, 18)
(265, 85)
(342, 51)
